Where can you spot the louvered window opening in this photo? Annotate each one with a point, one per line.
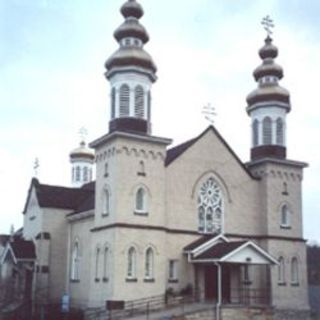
(138, 102)
(280, 140)
(267, 131)
(124, 100)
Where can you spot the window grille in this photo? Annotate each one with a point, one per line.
(267, 131)
(139, 102)
(124, 100)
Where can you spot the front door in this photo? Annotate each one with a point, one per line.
(210, 282)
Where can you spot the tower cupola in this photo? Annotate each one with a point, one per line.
(131, 72)
(268, 106)
(82, 160)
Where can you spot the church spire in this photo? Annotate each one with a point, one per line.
(268, 106)
(131, 72)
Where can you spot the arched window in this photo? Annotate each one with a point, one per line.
(106, 169)
(73, 175)
(85, 174)
(141, 170)
(210, 207)
(77, 173)
(105, 264)
(106, 202)
(75, 274)
(267, 131)
(97, 262)
(285, 216)
(149, 264)
(90, 174)
(294, 271)
(141, 200)
(255, 132)
(280, 132)
(281, 271)
(132, 256)
(139, 102)
(124, 100)
(113, 103)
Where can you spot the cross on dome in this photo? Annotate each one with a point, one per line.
(267, 23)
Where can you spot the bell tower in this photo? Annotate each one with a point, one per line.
(131, 72)
(268, 105)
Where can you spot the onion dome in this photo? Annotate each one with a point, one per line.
(132, 9)
(82, 152)
(131, 36)
(268, 75)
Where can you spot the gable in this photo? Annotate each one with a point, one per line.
(179, 151)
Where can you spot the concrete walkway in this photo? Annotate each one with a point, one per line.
(175, 311)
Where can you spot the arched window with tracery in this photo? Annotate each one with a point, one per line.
(255, 132)
(132, 260)
(139, 102)
(294, 271)
(280, 132)
(267, 131)
(124, 100)
(149, 264)
(210, 207)
(141, 201)
(281, 271)
(75, 268)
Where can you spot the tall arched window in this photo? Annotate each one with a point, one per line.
(131, 269)
(210, 207)
(124, 100)
(113, 103)
(106, 201)
(105, 264)
(139, 102)
(149, 264)
(141, 199)
(294, 271)
(285, 216)
(255, 132)
(281, 271)
(267, 130)
(75, 274)
(280, 132)
(97, 262)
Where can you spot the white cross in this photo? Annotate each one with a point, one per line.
(36, 165)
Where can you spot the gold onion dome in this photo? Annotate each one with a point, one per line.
(267, 75)
(129, 34)
(82, 152)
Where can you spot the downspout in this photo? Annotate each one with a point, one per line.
(219, 300)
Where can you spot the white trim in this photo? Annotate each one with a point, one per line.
(203, 247)
(246, 244)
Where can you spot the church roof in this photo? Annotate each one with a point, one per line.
(62, 197)
(23, 249)
(177, 151)
(220, 250)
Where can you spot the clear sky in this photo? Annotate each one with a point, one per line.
(51, 81)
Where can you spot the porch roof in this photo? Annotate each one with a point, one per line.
(222, 250)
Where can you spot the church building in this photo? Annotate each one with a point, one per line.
(157, 219)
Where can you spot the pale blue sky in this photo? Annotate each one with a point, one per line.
(51, 81)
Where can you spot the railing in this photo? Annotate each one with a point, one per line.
(238, 296)
(143, 306)
(250, 296)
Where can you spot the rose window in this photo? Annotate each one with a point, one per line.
(210, 207)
